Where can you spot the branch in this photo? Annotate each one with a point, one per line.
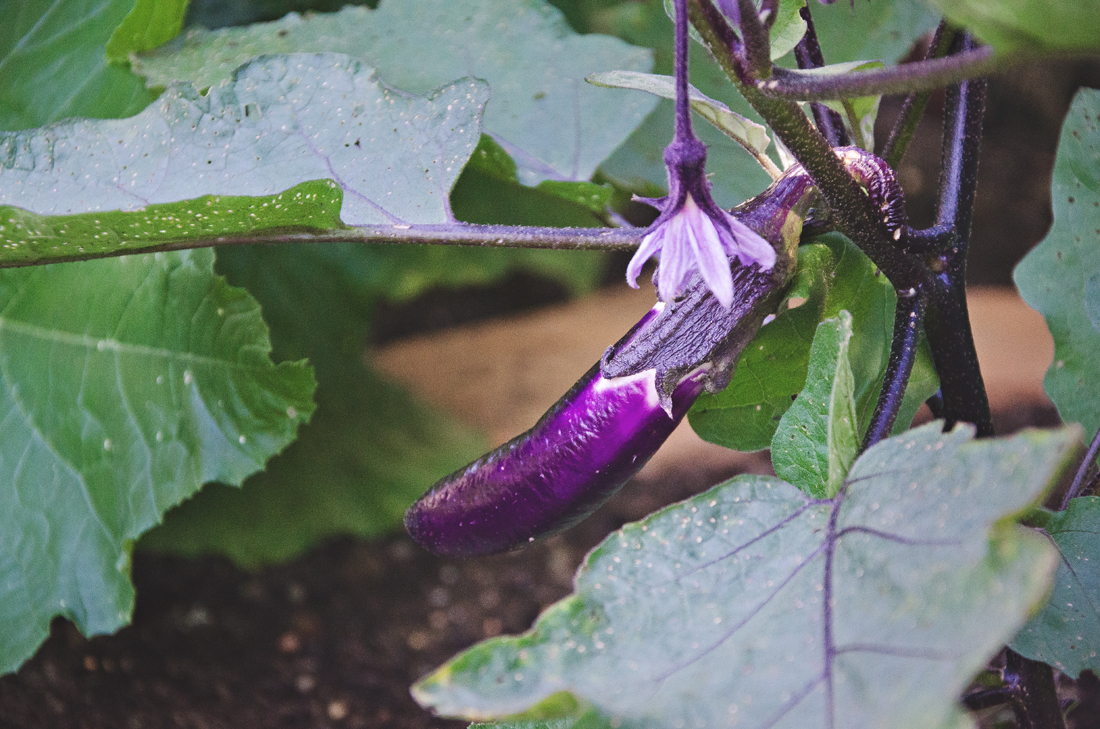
(461, 234)
(948, 322)
(918, 76)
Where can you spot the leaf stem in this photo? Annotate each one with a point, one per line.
(1076, 488)
(808, 55)
(461, 234)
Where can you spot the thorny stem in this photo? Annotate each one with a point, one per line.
(919, 76)
(1077, 487)
(913, 107)
(808, 54)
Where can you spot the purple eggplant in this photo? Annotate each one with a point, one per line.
(589, 444)
(601, 432)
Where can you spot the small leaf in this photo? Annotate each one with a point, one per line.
(127, 383)
(53, 64)
(753, 606)
(1066, 633)
(283, 121)
(542, 113)
(1053, 278)
(1029, 26)
(833, 274)
(150, 24)
(750, 135)
(818, 437)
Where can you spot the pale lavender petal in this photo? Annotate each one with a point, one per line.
(749, 247)
(650, 245)
(677, 259)
(710, 255)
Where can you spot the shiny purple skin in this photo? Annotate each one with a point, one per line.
(582, 451)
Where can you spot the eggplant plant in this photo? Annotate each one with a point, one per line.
(150, 345)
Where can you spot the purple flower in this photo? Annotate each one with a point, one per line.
(692, 233)
(690, 239)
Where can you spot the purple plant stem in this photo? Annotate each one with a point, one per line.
(1077, 487)
(901, 79)
(908, 321)
(808, 55)
(1037, 699)
(912, 109)
(947, 323)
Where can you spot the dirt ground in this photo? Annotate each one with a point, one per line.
(335, 638)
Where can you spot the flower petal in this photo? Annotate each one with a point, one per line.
(710, 255)
(749, 247)
(649, 246)
(677, 259)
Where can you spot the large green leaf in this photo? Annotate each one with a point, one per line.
(127, 384)
(284, 120)
(1053, 278)
(53, 63)
(552, 123)
(818, 437)
(833, 274)
(1029, 25)
(753, 606)
(1066, 633)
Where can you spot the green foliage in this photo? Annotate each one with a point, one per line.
(1054, 277)
(128, 383)
(150, 24)
(368, 453)
(53, 65)
(817, 438)
(1029, 26)
(750, 135)
(876, 30)
(1066, 633)
(751, 606)
(27, 237)
(833, 275)
(550, 122)
(882, 31)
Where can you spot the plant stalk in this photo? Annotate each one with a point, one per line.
(808, 55)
